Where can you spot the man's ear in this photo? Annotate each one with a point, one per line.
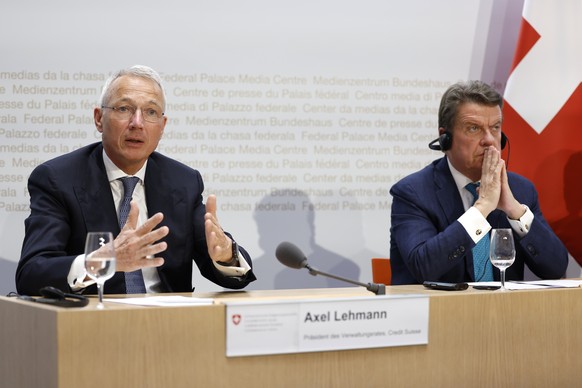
(163, 127)
(98, 117)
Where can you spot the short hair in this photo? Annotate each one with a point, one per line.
(462, 92)
(134, 71)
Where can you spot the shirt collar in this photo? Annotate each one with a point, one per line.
(114, 172)
(460, 180)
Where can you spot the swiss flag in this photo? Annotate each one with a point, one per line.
(543, 112)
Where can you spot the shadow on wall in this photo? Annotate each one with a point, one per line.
(7, 273)
(568, 228)
(288, 215)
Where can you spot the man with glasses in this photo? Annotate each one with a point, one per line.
(160, 221)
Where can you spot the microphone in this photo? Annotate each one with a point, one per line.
(291, 256)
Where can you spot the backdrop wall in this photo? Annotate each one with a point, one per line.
(300, 115)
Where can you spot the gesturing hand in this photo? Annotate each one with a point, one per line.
(134, 245)
(219, 245)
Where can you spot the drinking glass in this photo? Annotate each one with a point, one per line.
(502, 251)
(100, 259)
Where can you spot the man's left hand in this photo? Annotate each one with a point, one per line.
(507, 202)
(219, 244)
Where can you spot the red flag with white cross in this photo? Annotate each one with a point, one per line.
(543, 112)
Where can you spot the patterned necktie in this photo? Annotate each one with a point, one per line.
(134, 283)
(482, 268)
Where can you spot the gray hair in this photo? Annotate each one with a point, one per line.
(462, 92)
(134, 71)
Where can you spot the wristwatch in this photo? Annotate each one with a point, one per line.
(234, 258)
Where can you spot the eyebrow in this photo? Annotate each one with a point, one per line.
(473, 122)
(129, 100)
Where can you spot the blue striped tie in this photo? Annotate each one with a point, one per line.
(134, 283)
(482, 268)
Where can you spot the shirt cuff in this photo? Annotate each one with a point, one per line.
(77, 273)
(475, 224)
(240, 270)
(522, 226)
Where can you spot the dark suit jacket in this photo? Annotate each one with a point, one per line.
(71, 195)
(428, 243)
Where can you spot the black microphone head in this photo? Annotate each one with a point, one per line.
(291, 256)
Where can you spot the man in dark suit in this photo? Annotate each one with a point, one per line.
(434, 223)
(81, 192)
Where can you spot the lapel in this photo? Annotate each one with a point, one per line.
(94, 195)
(161, 194)
(451, 204)
(165, 196)
(446, 192)
(95, 199)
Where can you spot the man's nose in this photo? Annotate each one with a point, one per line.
(488, 138)
(137, 118)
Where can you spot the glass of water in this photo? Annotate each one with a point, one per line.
(100, 259)
(502, 251)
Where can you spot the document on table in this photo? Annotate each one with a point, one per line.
(164, 300)
(534, 284)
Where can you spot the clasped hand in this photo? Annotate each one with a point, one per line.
(494, 191)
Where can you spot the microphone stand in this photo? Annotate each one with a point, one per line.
(378, 289)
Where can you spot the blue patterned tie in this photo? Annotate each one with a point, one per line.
(134, 283)
(482, 268)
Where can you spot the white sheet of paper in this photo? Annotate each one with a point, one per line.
(534, 284)
(164, 300)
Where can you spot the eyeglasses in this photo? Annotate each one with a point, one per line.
(126, 112)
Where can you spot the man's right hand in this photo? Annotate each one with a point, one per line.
(135, 247)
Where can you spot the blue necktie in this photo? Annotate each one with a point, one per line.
(482, 268)
(134, 283)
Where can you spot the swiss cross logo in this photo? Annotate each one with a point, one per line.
(236, 318)
(542, 113)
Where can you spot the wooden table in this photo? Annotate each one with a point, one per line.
(476, 339)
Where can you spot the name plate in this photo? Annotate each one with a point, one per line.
(283, 326)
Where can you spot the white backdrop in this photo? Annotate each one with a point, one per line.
(300, 115)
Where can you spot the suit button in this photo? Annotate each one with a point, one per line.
(532, 250)
(462, 249)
